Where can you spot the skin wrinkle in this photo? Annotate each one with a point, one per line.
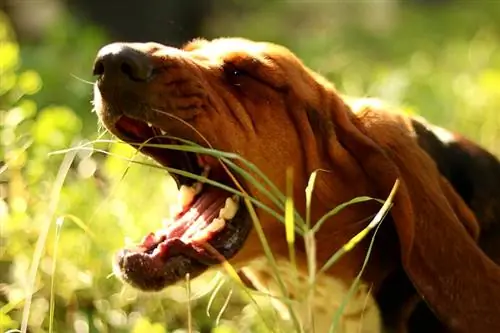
(174, 82)
(235, 108)
(189, 108)
(189, 100)
(183, 92)
(211, 106)
(308, 161)
(430, 235)
(192, 118)
(262, 82)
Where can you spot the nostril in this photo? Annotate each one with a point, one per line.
(120, 61)
(136, 67)
(132, 73)
(98, 68)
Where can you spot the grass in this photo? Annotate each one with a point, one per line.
(461, 95)
(294, 225)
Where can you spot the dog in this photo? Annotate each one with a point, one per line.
(433, 266)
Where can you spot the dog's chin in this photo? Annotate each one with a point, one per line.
(209, 226)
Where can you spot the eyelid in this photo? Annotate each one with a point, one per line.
(230, 67)
(233, 72)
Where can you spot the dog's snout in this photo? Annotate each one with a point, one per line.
(121, 62)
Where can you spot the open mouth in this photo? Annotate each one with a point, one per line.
(209, 223)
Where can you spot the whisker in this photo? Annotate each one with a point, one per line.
(82, 80)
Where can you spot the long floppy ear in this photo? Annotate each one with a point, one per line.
(436, 230)
(474, 174)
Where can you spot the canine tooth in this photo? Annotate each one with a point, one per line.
(149, 124)
(229, 210)
(163, 132)
(186, 195)
(216, 225)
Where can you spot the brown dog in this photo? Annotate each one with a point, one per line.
(259, 101)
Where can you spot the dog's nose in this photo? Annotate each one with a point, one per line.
(122, 62)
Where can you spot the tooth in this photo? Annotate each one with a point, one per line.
(202, 235)
(186, 195)
(162, 247)
(229, 210)
(193, 229)
(216, 225)
(150, 125)
(206, 171)
(198, 187)
(163, 132)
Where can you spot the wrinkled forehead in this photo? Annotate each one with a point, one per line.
(273, 63)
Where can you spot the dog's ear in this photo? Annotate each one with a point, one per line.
(474, 174)
(436, 229)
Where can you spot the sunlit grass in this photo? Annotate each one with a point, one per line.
(59, 224)
(307, 229)
(462, 95)
(42, 238)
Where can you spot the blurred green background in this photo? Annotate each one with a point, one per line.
(436, 58)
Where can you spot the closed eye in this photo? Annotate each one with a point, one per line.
(233, 74)
(236, 76)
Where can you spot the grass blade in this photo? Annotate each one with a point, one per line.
(270, 257)
(290, 223)
(40, 244)
(339, 208)
(375, 223)
(59, 223)
(357, 238)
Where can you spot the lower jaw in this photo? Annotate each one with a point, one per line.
(132, 270)
(148, 273)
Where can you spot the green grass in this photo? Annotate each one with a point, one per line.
(288, 219)
(428, 64)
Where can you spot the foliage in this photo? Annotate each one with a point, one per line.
(425, 62)
(442, 62)
(94, 208)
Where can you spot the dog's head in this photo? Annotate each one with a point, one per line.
(253, 99)
(259, 101)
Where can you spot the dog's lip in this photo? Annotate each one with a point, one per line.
(158, 262)
(150, 272)
(142, 136)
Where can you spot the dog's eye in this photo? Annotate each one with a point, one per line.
(233, 75)
(236, 72)
(232, 70)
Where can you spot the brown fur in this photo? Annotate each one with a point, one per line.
(260, 101)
